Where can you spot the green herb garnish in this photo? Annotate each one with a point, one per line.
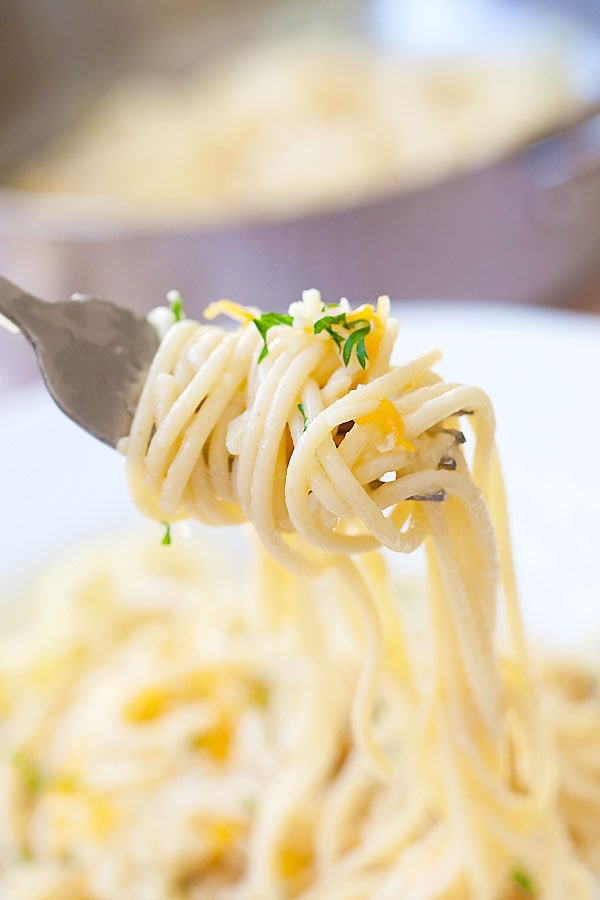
(523, 880)
(166, 540)
(357, 340)
(32, 777)
(267, 321)
(249, 804)
(301, 408)
(176, 305)
(358, 328)
(326, 323)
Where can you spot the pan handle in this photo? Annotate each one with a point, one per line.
(568, 155)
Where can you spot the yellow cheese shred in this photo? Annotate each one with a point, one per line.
(389, 420)
(235, 311)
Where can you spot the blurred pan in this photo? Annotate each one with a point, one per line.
(523, 229)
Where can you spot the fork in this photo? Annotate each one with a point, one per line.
(93, 355)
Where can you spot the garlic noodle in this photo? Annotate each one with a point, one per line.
(298, 437)
(185, 723)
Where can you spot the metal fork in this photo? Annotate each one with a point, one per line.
(93, 356)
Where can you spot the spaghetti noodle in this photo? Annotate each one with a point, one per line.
(329, 455)
(301, 732)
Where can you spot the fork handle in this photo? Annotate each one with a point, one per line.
(15, 304)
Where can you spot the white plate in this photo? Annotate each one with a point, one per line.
(542, 371)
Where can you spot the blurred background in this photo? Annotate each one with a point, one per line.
(428, 149)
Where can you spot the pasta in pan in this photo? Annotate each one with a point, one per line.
(292, 126)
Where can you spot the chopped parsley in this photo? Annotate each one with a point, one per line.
(357, 341)
(32, 777)
(358, 328)
(267, 321)
(301, 408)
(176, 305)
(249, 804)
(326, 323)
(523, 880)
(166, 540)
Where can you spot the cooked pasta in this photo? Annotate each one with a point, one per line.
(301, 124)
(182, 727)
(302, 426)
(165, 733)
